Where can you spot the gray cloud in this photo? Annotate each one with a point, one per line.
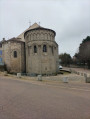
(69, 18)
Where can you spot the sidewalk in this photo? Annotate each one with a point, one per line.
(81, 70)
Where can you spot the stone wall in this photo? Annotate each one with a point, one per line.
(40, 35)
(14, 64)
(41, 62)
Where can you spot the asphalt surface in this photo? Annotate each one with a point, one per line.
(27, 100)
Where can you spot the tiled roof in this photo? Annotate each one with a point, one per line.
(15, 40)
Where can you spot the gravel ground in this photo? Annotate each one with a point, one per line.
(81, 70)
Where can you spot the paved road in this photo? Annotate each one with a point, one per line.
(27, 100)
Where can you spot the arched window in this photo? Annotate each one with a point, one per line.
(15, 54)
(44, 48)
(0, 45)
(35, 49)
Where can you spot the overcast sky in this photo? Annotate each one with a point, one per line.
(69, 18)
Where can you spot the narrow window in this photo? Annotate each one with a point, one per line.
(0, 45)
(35, 49)
(15, 54)
(44, 48)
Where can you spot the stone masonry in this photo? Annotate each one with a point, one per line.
(33, 51)
(41, 62)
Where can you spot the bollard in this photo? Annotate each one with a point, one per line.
(5, 73)
(88, 79)
(81, 74)
(19, 75)
(65, 80)
(85, 75)
(39, 77)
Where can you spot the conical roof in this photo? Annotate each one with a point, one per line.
(21, 36)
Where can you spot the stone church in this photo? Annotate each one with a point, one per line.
(34, 51)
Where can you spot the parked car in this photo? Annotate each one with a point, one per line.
(60, 67)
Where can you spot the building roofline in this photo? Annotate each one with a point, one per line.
(14, 40)
(39, 28)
